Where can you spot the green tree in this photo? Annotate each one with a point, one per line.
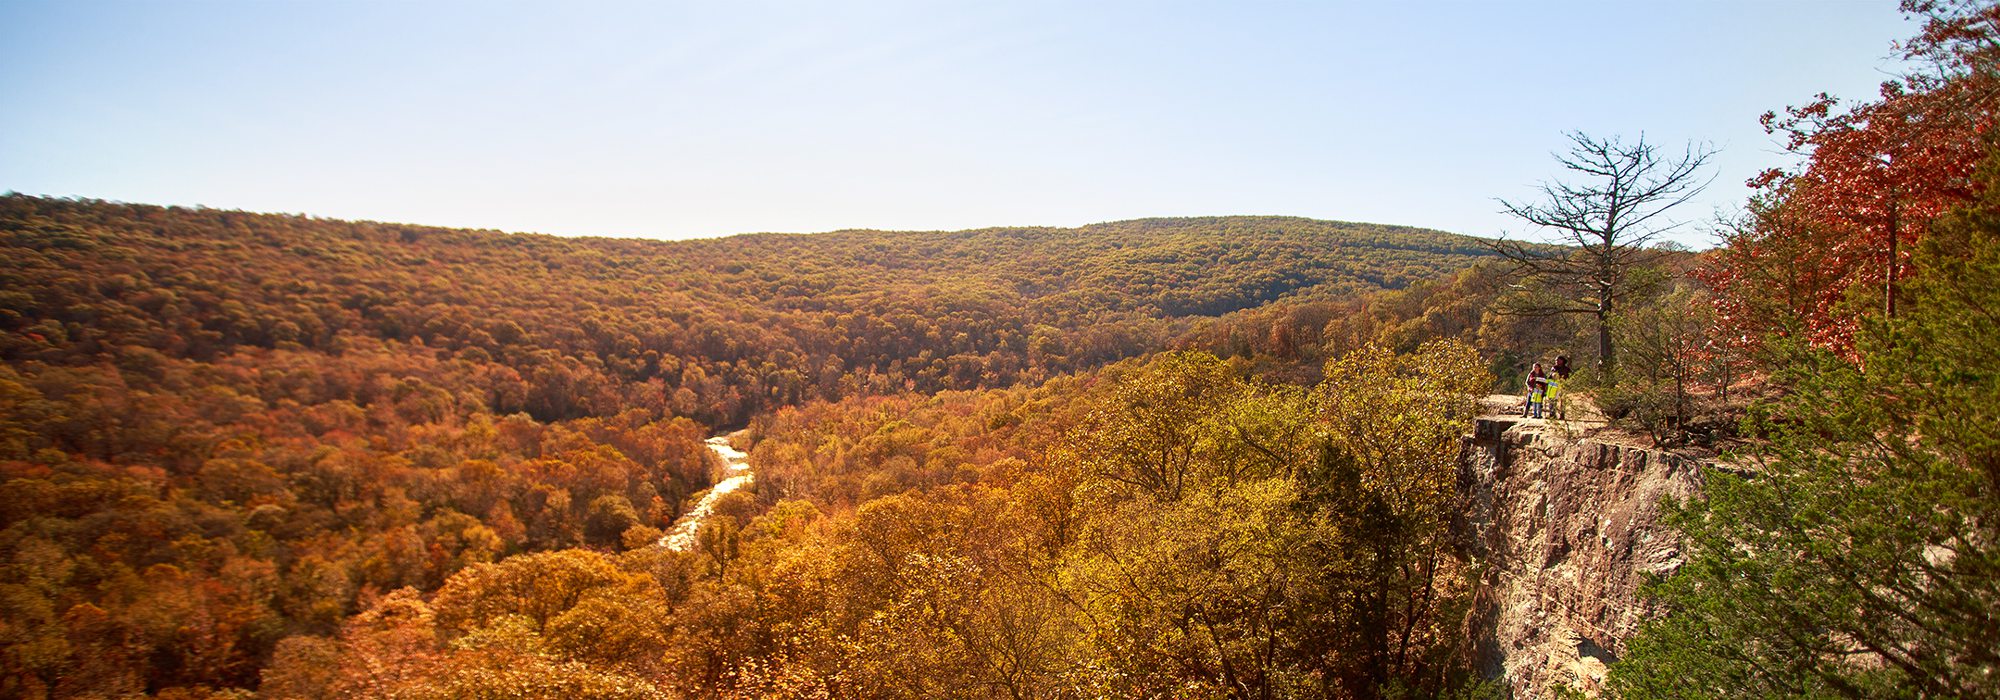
(1386, 483)
(1153, 432)
(1298, 546)
(1669, 347)
(1861, 558)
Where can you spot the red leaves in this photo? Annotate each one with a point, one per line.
(1828, 241)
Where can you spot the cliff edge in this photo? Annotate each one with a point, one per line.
(1562, 528)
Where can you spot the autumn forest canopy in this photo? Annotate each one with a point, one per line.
(282, 456)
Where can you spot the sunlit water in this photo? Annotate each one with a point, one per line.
(736, 465)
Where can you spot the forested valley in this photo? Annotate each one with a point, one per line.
(265, 455)
(230, 437)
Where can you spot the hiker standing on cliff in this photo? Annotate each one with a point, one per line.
(1538, 382)
(1559, 376)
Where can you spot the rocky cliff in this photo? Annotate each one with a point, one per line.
(1562, 529)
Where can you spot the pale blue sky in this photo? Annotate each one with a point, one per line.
(668, 119)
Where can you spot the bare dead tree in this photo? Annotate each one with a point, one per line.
(1601, 226)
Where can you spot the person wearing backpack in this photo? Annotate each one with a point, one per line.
(1558, 376)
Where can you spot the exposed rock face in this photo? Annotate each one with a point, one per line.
(1566, 528)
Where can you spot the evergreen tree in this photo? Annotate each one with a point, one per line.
(1860, 557)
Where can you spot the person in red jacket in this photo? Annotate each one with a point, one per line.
(1538, 384)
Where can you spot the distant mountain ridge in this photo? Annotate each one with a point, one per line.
(743, 322)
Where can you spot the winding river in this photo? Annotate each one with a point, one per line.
(736, 468)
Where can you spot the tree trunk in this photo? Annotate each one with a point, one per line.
(1604, 332)
(1889, 283)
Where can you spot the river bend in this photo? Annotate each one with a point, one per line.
(736, 475)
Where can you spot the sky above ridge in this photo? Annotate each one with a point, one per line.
(676, 120)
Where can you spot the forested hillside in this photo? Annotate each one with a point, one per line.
(287, 457)
(717, 330)
(222, 430)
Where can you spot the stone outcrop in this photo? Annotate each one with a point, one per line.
(1562, 529)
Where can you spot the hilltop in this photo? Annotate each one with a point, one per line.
(743, 323)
